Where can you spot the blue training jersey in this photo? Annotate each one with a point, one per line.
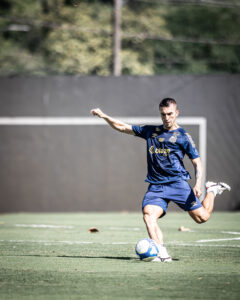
(165, 152)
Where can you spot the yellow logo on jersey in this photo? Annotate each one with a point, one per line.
(194, 203)
(154, 135)
(151, 149)
(164, 152)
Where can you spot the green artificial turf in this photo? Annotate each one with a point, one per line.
(70, 263)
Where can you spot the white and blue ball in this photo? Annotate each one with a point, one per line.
(146, 249)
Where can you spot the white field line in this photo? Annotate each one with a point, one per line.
(202, 245)
(43, 226)
(46, 242)
(61, 242)
(231, 232)
(174, 243)
(118, 243)
(218, 240)
(125, 228)
(70, 227)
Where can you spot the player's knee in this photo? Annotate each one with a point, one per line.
(148, 219)
(199, 216)
(202, 219)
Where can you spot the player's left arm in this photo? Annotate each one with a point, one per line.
(198, 176)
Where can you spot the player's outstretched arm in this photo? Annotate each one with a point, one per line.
(198, 176)
(114, 123)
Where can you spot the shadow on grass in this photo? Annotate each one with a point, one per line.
(109, 257)
(104, 257)
(136, 259)
(132, 259)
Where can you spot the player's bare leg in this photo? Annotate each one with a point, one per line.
(151, 214)
(203, 213)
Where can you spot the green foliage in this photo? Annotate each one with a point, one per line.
(78, 48)
(76, 37)
(218, 24)
(15, 59)
(204, 22)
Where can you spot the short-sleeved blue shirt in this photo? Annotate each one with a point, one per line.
(165, 152)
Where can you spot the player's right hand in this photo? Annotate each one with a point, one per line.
(97, 112)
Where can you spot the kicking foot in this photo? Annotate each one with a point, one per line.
(217, 187)
(163, 255)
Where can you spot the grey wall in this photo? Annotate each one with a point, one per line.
(94, 168)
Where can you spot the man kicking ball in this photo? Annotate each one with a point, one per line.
(166, 146)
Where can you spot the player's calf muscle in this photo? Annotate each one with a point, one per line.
(202, 219)
(199, 216)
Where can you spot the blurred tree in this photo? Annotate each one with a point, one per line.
(79, 45)
(75, 37)
(205, 24)
(184, 39)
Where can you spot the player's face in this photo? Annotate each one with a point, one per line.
(169, 115)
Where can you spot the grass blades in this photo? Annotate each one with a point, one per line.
(52, 256)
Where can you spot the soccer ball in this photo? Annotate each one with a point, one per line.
(146, 249)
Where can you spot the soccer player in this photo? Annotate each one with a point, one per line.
(166, 146)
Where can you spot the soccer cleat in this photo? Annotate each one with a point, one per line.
(163, 255)
(160, 259)
(217, 187)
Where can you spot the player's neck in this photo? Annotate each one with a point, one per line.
(173, 127)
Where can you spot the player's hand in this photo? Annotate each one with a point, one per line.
(197, 191)
(97, 112)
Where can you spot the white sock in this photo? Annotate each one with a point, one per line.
(213, 190)
(163, 251)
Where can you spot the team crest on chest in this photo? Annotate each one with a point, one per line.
(174, 137)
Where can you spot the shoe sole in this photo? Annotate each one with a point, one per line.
(226, 186)
(163, 260)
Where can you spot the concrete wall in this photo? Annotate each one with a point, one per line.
(94, 168)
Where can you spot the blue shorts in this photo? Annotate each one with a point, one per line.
(178, 192)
